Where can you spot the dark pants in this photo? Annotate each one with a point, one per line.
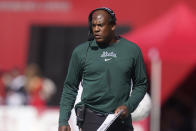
(93, 121)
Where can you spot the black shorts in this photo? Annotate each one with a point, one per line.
(94, 120)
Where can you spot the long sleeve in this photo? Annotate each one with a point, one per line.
(139, 79)
(70, 89)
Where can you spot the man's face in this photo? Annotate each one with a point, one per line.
(103, 30)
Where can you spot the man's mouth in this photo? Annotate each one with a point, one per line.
(97, 36)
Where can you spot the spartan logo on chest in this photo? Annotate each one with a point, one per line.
(108, 55)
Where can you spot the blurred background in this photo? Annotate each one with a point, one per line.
(37, 38)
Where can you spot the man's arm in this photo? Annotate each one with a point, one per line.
(139, 83)
(70, 91)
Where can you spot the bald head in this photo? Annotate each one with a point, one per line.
(102, 14)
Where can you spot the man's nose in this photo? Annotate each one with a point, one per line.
(97, 28)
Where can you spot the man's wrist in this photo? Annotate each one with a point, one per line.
(64, 123)
(128, 107)
(64, 128)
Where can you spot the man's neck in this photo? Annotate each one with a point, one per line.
(110, 42)
(114, 40)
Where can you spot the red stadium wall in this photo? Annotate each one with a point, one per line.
(15, 21)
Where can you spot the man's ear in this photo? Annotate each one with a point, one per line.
(113, 27)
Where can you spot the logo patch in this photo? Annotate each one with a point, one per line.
(106, 54)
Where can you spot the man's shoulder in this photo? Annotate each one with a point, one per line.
(130, 44)
(81, 47)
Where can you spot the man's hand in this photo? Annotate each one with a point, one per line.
(64, 128)
(124, 113)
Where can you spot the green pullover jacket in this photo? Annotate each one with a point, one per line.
(106, 74)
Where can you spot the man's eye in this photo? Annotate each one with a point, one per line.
(100, 25)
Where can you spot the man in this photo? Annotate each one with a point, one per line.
(106, 64)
